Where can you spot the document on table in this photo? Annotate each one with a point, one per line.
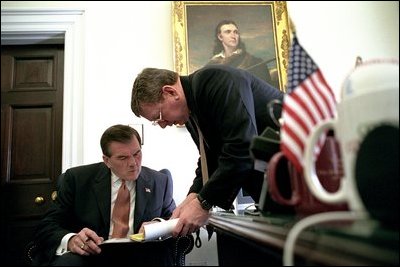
(152, 231)
(156, 230)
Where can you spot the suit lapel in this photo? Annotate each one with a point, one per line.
(144, 191)
(102, 191)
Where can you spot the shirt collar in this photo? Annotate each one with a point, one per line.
(116, 182)
(222, 54)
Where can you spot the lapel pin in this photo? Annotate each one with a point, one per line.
(147, 190)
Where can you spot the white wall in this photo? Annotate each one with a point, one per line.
(121, 38)
(334, 33)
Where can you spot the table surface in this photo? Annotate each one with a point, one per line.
(359, 242)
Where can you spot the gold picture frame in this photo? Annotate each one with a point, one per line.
(262, 24)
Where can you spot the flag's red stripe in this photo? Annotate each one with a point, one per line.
(294, 137)
(291, 113)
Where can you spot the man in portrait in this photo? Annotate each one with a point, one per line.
(230, 50)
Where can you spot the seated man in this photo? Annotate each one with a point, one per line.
(84, 213)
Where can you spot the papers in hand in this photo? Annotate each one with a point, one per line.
(155, 230)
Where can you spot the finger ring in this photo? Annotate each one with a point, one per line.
(82, 246)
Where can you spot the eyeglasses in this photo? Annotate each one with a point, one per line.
(157, 121)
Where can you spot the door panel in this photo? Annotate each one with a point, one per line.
(31, 139)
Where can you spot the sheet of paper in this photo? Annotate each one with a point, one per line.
(155, 230)
(117, 240)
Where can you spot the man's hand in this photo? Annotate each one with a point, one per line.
(191, 217)
(85, 242)
(177, 211)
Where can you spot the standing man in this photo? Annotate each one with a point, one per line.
(84, 213)
(229, 107)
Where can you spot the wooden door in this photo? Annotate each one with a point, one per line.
(31, 140)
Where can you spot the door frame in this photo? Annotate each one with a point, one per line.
(39, 25)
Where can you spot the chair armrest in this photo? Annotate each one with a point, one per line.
(183, 246)
(30, 252)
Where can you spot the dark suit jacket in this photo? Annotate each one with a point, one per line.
(84, 200)
(230, 106)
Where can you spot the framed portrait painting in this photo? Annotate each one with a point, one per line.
(261, 29)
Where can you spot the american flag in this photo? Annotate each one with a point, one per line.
(308, 101)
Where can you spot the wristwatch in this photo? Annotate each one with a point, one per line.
(204, 203)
